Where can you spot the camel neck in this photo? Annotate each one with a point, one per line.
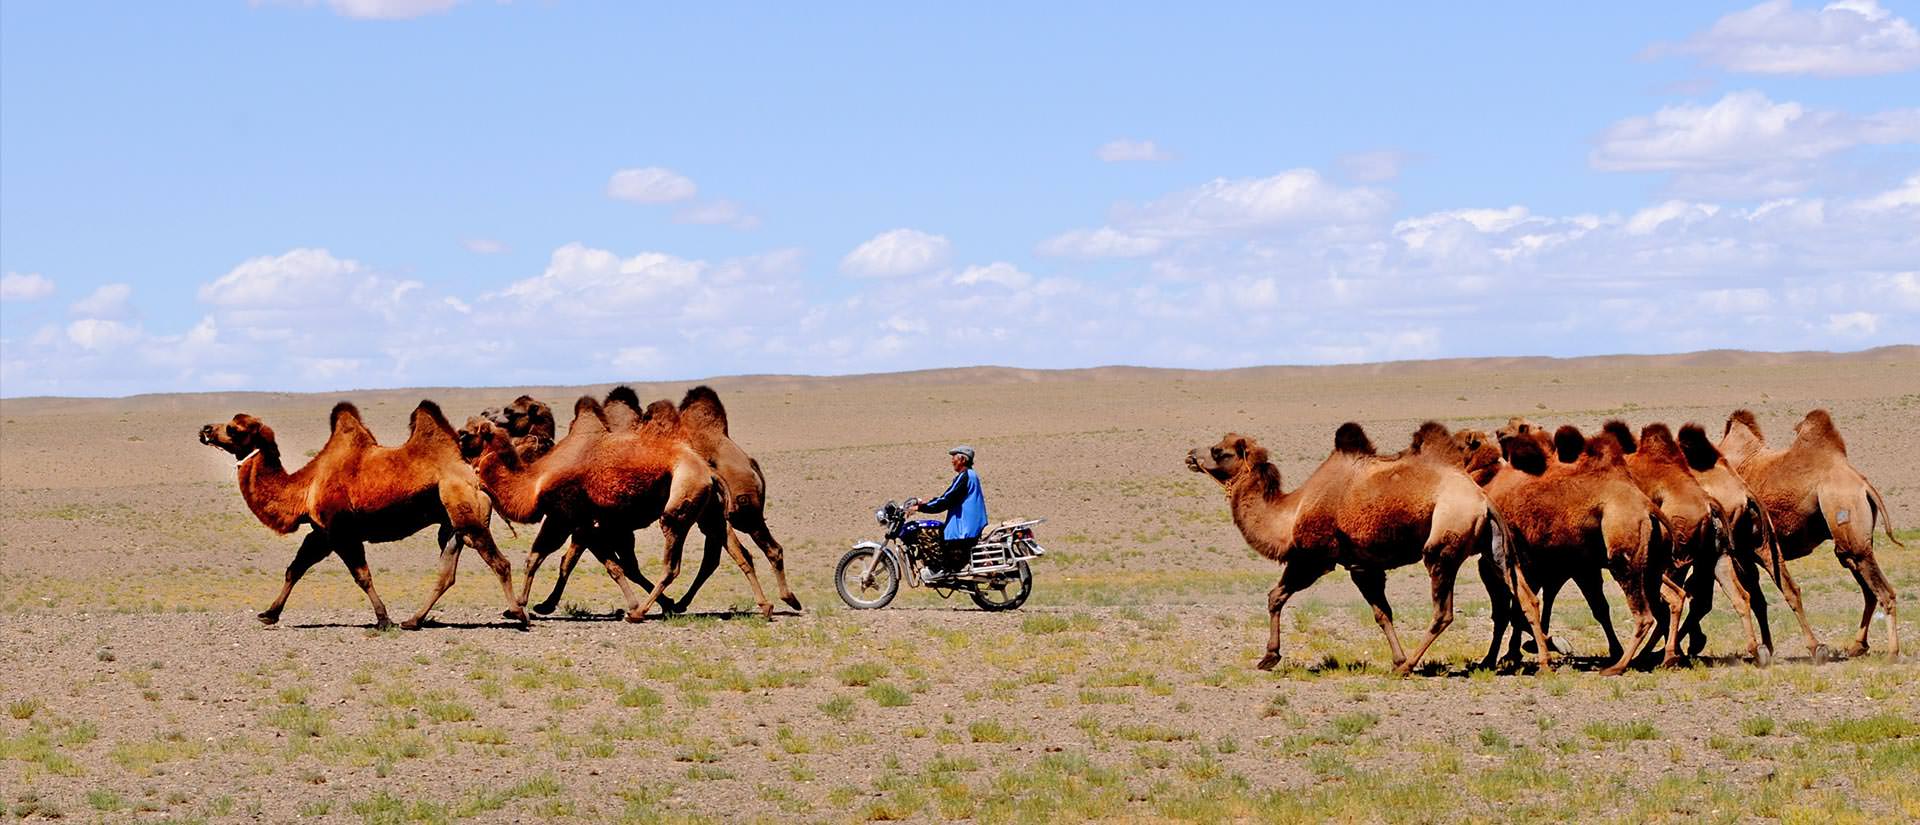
(277, 499)
(515, 495)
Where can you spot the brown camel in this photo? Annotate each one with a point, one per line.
(1754, 548)
(1369, 514)
(1813, 493)
(702, 420)
(1700, 530)
(355, 491)
(1574, 516)
(529, 422)
(608, 484)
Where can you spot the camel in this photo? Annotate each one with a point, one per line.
(529, 422)
(1812, 493)
(1574, 516)
(355, 491)
(1700, 530)
(1753, 549)
(702, 419)
(1367, 513)
(601, 485)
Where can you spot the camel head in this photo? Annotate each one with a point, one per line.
(482, 435)
(1233, 455)
(242, 436)
(527, 416)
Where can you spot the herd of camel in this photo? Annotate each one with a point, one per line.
(621, 467)
(1666, 515)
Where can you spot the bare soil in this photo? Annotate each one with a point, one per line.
(138, 686)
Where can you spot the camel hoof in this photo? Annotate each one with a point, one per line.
(1268, 661)
(766, 612)
(1672, 663)
(1858, 650)
(268, 618)
(635, 618)
(1530, 647)
(792, 601)
(1762, 657)
(518, 616)
(383, 623)
(410, 624)
(1613, 670)
(545, 608)
(1822, 654)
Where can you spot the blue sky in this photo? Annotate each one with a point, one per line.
(366, 193)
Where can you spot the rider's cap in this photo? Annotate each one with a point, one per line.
(962, 450)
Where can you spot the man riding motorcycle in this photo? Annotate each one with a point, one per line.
(966, 509)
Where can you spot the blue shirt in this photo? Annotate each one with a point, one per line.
(965, 507)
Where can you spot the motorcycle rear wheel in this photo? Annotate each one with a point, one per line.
(1010, 594)
(871, 594)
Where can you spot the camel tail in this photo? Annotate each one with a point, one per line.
(1499, 546)
(757, 473)
(1880, 512)
(1662, 539)
(1767, 536)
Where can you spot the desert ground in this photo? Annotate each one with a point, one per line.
(139, 687)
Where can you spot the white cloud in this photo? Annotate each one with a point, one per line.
(593, 281)
(1650, 219)
(999, 273)
(100, 334)
(1125, 150)
(108, 301)
(717, 212)
(306, 280)
(895, 253)
(1297, 197)
(1105, 242)
(1846, 38)
(638, 359)
(651, 184)
(1743, 129)
(1907, 194)
(1853, 324)
(29, 286)
(485, 246)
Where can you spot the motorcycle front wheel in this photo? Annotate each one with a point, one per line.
(1007, 593)
(866, 592)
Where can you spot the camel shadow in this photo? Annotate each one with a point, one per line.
(429, 624)
(620, 615)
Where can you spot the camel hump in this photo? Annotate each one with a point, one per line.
(345, 422)
(1352, 439)
(1817, 431)
(624, 394)
(1700, 452)
(1602, 452)
(1526, 454)
(701, 409)
(662, 416)
(587, 413)
(1744, 418)
(1618, 429)
(1435, 441)
(1657, 439)
(428, 424)
(1569, 443)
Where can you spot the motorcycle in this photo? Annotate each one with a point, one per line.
(995, 575)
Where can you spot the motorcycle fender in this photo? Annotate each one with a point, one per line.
(880, 550)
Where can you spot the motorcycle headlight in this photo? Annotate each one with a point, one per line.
(880, 516)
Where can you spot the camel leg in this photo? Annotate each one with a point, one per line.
(610, 547)
(1503, 600)
(676, 536)
(1742, 601)
(1373, 588)
(1877, 581)
(1535, 613)
(312, 549)
(481, 539)
(553, 532)
(1632, 575)
(449, 565)
(567, 561)
(1296, 576)
(709, 562)
(1442, 571)
(1550, 589)
(754, 524)
(354, 555)
(1789, 590)
(718, 533)
(1595, 593)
